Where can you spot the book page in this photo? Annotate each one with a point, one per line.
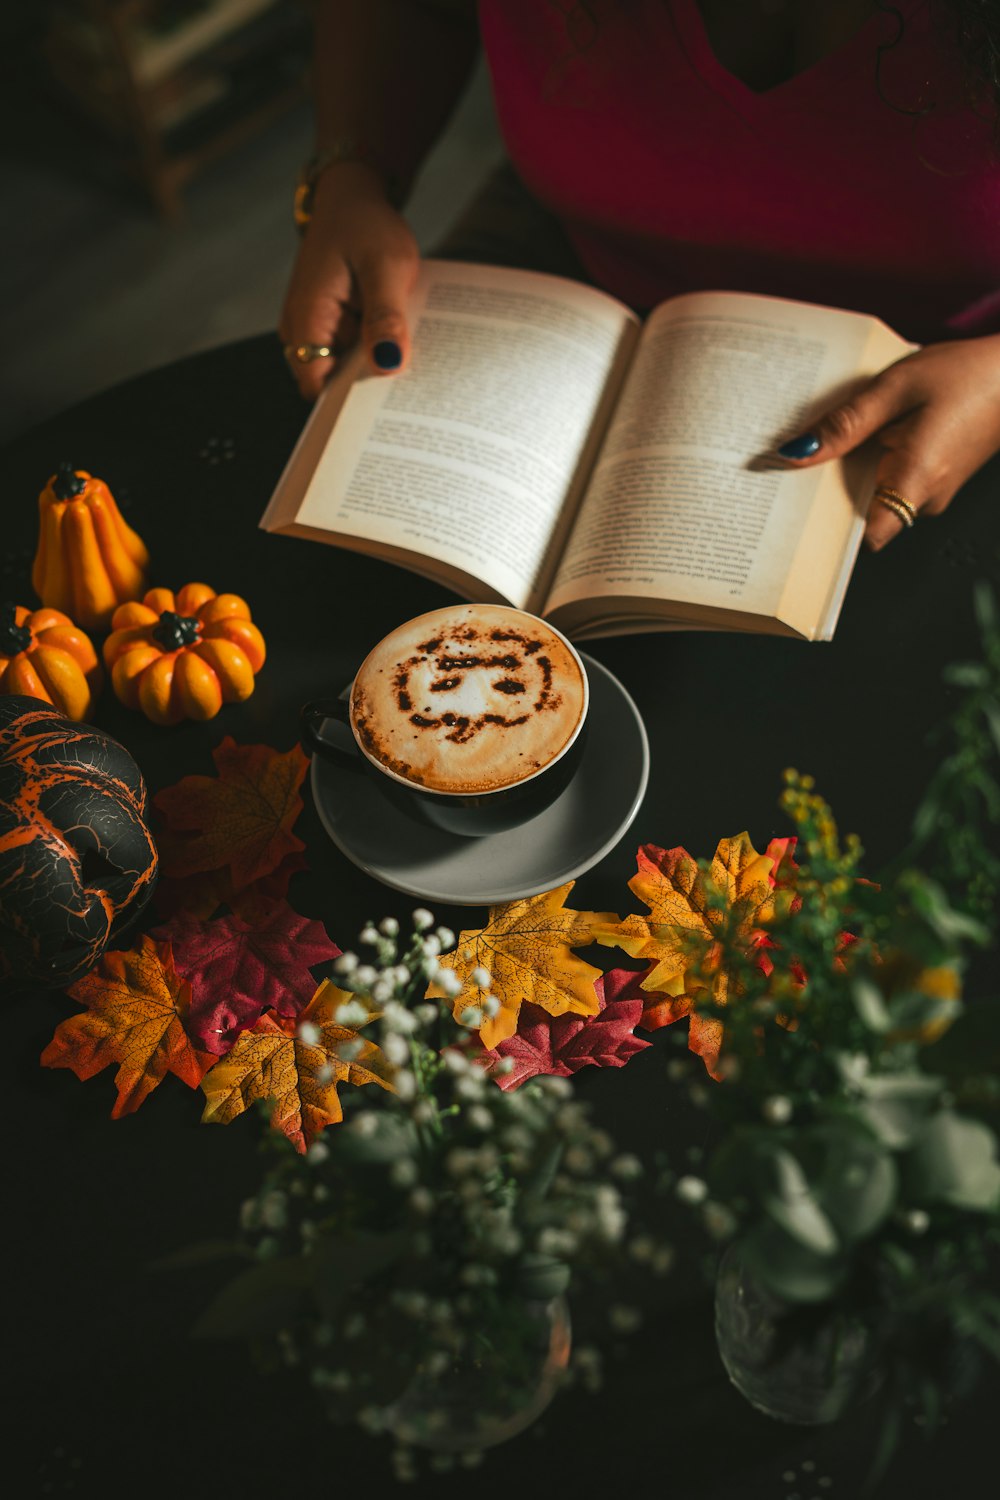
(469, 455)
(683, 504)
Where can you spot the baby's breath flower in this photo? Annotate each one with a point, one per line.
(368, 934)
(325, 1072)
(432, 946)
(345, 963)
(397, 1018)
(624, 1319)
(777, 1110)
(403, 1173)
(427, 1014)
(422, 919)
(421, 1200)
(481, 978)
(504, 1066)
(389, 927)
(626, 1167)
(446, 937)
(381, 991)
(405, 1084)
(396, 1048)
(350, 1049)
(691, 1190)
(719, 1221)
(308, 1033)
(471, 1016)
(450, 983)
(364, 977)
(317, 1153)
(479, 1117)
(351, 1013)
(491, 1005)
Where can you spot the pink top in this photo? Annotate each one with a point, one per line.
(671, 175)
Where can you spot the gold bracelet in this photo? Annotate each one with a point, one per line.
(341, 151)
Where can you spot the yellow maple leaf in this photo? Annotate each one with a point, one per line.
(136, 1007)
(684, 922)
(525, 947)
(272, 1061)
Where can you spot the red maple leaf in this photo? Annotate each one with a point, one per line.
(561, 1045)
(238, 969)
(242, 818)
(204, 894)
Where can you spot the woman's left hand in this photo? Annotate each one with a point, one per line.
(935, 413)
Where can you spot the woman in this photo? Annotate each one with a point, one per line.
(837, 151)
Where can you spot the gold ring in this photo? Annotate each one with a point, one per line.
(897, 503)
(304, 354)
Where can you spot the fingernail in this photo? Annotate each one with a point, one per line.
(389, 356)
(800, 447)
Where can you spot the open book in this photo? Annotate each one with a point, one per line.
(546, 449)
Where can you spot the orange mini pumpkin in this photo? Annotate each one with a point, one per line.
(44, 655)
(88, 560)
(184, 657)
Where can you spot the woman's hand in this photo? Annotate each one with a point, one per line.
(936, 414)
(355, 269)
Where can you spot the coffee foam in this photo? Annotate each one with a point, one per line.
(471, 698)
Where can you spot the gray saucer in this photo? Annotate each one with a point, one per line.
(571, 835)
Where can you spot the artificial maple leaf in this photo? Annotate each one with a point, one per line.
(274, 1062)
(240, 819)
(682, 927)
(136, 1010)
(239, 969)
(561, 1045)
(525, 946)
(205, 893)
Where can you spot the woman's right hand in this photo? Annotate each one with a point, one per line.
(352, 277)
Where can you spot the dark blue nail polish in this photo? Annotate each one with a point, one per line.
(389, 356)
(800, 447)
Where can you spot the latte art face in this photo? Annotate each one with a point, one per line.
(469, 699)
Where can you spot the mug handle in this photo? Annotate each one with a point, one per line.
(313, 715)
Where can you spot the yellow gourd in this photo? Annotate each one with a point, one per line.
(44, 655)
(183, 657)
(88, 560)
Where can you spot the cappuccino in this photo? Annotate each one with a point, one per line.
(469, 699)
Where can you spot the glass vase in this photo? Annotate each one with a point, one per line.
(476, 1402)
(804, 1369)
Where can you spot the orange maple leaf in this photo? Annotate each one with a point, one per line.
(272, 1061)
(525, 947)
(136, 1004)
(680, 932)
(241, 818)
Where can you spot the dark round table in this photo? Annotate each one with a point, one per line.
(108, 1395)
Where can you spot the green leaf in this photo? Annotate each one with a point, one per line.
(794, 1207)
(870, 1006)
(339, 1264)
(208, 1252)
(859, 1183)
(894, 1105)
(788, 1269)
(967, 674)
(984, 606)
(261, 1300)
(541, 1277)
(954, 1161)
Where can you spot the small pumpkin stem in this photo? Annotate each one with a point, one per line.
(67, 482)
(176, 631)
(13, 637)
